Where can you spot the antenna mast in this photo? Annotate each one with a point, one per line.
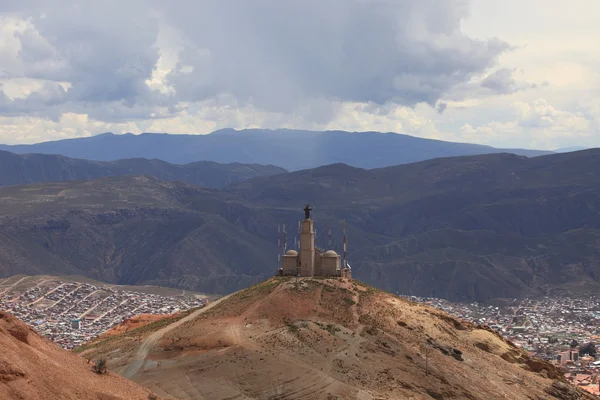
(330, 239)
(278, 243)
(284, 239)
(345, 246)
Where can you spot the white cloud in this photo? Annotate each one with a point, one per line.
(536, 124)
(23, 129)
(541, 115)
(384, 118)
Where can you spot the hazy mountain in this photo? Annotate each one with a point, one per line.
(326, 339)
(290, 149)
(465, 228)
(30, 168)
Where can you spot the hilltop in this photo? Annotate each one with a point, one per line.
(16, 169)
(33, 368)
(322, 338)
(460, 228)
(290, 149)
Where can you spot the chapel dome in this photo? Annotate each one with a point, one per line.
(330, 253)
(291, 253)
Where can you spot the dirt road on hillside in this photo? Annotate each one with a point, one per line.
(140, 356)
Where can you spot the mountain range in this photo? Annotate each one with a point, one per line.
(289, 149)
(16, 169)
(462, 228)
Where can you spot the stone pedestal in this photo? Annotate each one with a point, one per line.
(307, 248)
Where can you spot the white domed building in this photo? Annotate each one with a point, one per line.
(310, 261)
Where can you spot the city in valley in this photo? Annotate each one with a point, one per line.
(71, 313)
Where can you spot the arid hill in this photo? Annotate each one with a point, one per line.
(326, 339)
(33, 368)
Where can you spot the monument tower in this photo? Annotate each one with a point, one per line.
(311, 261)
(307, 244)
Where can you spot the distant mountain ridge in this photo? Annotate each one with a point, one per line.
(18, 169)
(462, 228)
(289, 149)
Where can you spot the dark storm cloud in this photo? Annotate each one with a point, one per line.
(279, 53)
(275, 55)
(4, 101)
(104, 50)
(441, 107)
(109, 51)
(501, 81)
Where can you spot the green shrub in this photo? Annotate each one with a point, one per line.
(100, 366)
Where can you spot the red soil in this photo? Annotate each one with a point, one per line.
(32, 368)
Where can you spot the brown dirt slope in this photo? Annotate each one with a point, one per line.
(327, 339)
(33, 368)
(135, 322)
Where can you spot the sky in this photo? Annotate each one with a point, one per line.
(507, 73)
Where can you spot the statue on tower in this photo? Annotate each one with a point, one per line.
(307, 211)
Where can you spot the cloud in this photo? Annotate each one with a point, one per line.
(501, 81)
(441, 107)
(25, 129)
(432, 68)
(104, 51)
(279, 57)
(536, 124)
(542, 115)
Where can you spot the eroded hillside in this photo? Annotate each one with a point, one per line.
(321, 338)
(33, 368)
(464, 228)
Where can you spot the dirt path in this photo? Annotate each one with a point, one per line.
(354, 308)
(12, 286)
(354, 343)
(234, 332)
(44, 296)
(140, 357)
